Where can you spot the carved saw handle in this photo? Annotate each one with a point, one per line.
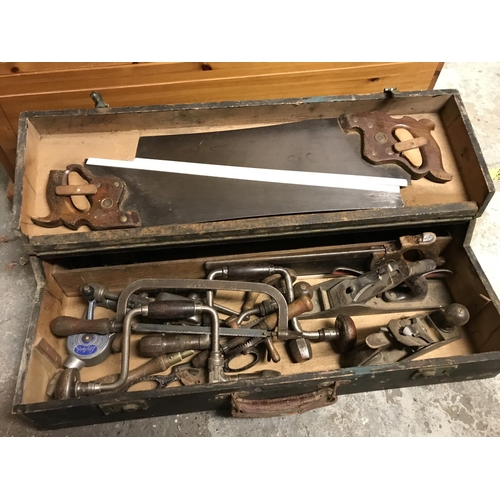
(380, 145)
(105, 194)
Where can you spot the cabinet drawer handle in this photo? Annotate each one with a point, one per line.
(279, 407)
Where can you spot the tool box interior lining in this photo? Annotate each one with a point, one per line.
(54, 143)
(60, 297)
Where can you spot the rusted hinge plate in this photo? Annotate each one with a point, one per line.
(435, 371)
(124, 406)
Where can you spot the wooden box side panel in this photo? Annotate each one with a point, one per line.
(95, 409)
(468, 156)
(483, 305)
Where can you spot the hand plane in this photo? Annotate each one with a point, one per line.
(377, 291)
(410, 338)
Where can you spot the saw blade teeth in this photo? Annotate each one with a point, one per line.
(242, 347)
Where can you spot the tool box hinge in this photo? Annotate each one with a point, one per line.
(436, 371)
(124, 406)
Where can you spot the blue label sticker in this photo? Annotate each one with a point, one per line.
(85, 350)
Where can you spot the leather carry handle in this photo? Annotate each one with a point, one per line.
(280, 407)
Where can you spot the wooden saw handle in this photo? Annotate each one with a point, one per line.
(380, 145)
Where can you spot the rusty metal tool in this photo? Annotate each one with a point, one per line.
(230, 350)
(189, 375)
(108, 299)
(297, 307)
(67, 386)
(255, 270)
(209, 285)
(237, 347)
(410, 338)
(64, 323)
(156, 345)
(422, 246)
(300, 350)
(248, 345)
(156, 310)
(380, 144)
(86, 348)
(343, 336)
(171, 309)
(197, 284)
(373, 291)
(151, 284)
(156, 365)
(105, 193)
(215, 362)
(242, 271)
(170, 330)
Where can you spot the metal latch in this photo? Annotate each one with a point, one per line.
(436, 371)
(125, 406)
(98, 100)
(391, 91)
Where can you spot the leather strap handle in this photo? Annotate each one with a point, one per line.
(280, 407)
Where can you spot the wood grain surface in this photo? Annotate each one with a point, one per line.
(46, 86)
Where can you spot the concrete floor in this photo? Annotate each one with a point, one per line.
(459, 409)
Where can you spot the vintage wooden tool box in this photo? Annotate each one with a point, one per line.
(311, 244)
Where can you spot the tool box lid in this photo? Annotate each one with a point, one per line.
(52, 140)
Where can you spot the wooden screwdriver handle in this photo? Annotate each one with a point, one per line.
(64, 326)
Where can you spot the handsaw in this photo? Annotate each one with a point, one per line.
(312, 145)
(309, 146)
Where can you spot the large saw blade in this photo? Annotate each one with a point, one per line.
(315, 146)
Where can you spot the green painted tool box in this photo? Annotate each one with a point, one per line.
(63, 259)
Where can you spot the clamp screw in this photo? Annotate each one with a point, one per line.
(87, 291)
